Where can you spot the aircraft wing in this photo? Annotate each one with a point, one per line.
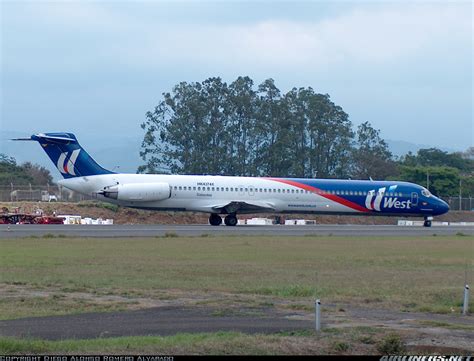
(244, 207)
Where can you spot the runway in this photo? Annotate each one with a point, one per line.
(31, 230)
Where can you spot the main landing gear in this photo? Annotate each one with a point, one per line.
(427, 222)
(230, 220)
(216, 220)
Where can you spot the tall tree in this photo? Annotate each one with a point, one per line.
(443, 181)
(215, 128)
(330, 137)
(371, 156)
(434, 157)
(271, 131)
(242, 127)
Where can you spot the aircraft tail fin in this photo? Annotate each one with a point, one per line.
(67, 154)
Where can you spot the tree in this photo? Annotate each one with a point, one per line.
(271, 130)
(215, 128)
(330, 137)
(443, 181)
(27, 173)
(178, 132)
(435, 157)
(241, 128)
(371, 156)
(39, 174)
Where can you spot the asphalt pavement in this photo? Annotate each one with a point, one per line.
(163, 321)
(29, 230)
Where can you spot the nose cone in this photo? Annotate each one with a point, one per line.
(442, 207)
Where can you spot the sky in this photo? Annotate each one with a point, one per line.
(95, 68)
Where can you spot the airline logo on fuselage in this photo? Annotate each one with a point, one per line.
(374, 200)
(66, 166)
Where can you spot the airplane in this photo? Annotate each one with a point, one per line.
(230, 196)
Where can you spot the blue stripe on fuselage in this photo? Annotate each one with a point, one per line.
(386, 196)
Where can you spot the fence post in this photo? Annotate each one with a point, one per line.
(317, 311)
(465, 305)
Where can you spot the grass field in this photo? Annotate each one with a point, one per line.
(358, 340)
(43, 276)
(57, 275)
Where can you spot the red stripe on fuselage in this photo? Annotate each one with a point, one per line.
(318, 191)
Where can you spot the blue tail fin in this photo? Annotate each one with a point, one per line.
(68, 156)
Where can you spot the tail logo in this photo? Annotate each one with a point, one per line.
(66, 165)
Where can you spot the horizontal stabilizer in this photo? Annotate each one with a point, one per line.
(22, 139)
(53, 138)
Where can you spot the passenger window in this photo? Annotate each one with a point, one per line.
(179, 188)
(175, 188)
(199, 188)
(194, 188)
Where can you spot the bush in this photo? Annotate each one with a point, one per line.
(391, 345)
(341, 346)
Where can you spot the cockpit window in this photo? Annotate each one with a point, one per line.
(426, 192)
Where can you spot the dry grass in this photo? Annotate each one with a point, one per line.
(220, 343)
(424, 273)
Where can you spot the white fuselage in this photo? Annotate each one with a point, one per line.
(208, 193)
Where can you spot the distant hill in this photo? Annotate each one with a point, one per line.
(400, 147)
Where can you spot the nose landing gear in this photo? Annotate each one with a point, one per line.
(427, 222)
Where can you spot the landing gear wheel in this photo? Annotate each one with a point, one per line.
(230, 220)
(215, 220)
(427, 223)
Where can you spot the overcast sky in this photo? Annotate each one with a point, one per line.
(95, 68)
